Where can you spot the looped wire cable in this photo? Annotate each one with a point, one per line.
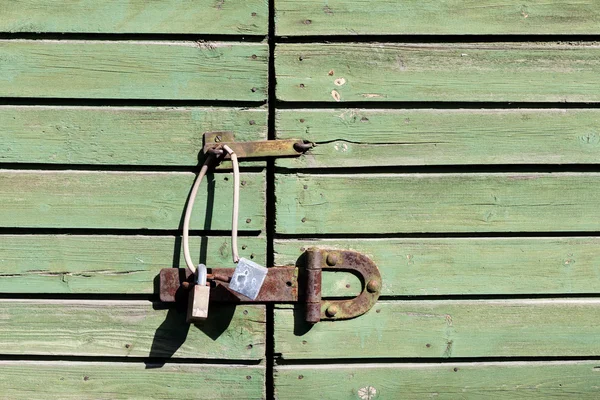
(236, 200)
(236, 203)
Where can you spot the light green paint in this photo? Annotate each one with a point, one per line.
(425, 17)
(41, 380)
(445, 329)
(441, 202)
(179, 70)
(126, 200)
(129, 329)
(464, 266)
(137, 16)
(507, 380)
(377, 138)
(107, 264)
(449, 72)
(119, 135)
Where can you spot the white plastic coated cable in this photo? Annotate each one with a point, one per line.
(236, 203)
(192, 199)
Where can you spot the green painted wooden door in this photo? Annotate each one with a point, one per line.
(456, 145)
(103, 109)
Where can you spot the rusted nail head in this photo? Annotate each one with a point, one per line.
(332, 310)
(373, 286)
(332, 259)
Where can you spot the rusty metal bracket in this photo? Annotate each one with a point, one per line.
(289, 284)
(214, 142)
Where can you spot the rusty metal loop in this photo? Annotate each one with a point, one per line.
(340, 260)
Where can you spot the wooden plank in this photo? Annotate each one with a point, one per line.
(126, 200)
(434, 329)
(373, 138)
(506, 380)
(453, 202)
(526, 72)
(241, 17)
(133, 70)
(92, 380)
(119, 135)
(457, 266)
(129, 329)
(458, 17)
(107, 264)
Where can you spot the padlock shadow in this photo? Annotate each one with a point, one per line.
(174, 330)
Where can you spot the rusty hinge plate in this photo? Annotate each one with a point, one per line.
(290, 284)
(214, 141)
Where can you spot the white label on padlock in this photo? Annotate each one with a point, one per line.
(248, 278)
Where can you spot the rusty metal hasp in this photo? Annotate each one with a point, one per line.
(289, 284)
(214, 142)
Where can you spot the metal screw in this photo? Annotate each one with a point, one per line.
(248, 220)
(332, 259)
(218, 138)
(373, 286)
(332, 310)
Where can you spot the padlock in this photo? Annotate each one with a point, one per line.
(199, 297)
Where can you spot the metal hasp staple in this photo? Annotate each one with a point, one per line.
(290, 284)
(214, 142)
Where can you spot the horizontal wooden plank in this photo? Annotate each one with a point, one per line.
(457, 17)
(133, 70)
(453, 202)
(107, 264)
(371, 138)
(507, 380)
(464, 328)
(29, 380)
(126, 200)
(471, 266)
(119, 135)
(527, 72)
(129, 329)
(135, 16)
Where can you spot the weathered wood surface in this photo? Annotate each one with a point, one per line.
(467, 328)
(105, 263)
(507, 380)
(374, 138)
(137, 16)
(129, 329)
(464, 266)
(133, 69)
(119, 135)
(453, 202)
(507, 72)
(126, 200)
(28, 380)
(458, 17)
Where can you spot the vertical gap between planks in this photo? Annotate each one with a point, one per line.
(270, 206)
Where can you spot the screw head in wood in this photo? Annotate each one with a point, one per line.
(373, 286)
(332, 259)
(332, 310)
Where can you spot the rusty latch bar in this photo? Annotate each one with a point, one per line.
(214, 142)
(289, 284)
